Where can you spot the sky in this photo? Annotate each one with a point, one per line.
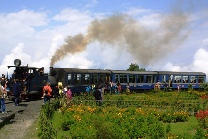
(164, 35)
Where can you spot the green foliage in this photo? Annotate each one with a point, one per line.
(135, 67)
(190, 87)
(67, 122)
(168, 128)
(45, 124)
(203, 87)
(199, 134)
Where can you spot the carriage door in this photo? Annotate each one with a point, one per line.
(170, 81)
(108, 78)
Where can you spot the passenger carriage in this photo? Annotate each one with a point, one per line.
(138, 80)
(181, 79)
(79, 79)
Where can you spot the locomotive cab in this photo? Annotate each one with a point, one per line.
(31, 80)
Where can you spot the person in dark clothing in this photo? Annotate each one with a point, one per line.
(55, 92)
(16, 92)
(98, 96)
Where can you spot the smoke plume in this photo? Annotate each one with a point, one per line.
(144, 44)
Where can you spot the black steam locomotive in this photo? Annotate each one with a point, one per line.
(31, 79)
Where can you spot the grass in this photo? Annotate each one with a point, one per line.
(185, 129)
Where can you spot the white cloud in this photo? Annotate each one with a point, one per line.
(75, 61)
(200, 61)
(72, 15)
(17, 53)
(21, 23)
(170, 67)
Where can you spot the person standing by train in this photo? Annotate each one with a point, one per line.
(60, 88)
(16, 91)
(47, 93)
(119, 88)
(68, 95)
(2, 101)
(128, 89)
(98, 95)
(4, 84)
(178, 86)
(65, 89)
(116, 88)
(88, 88)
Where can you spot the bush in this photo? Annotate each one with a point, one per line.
(45, 124)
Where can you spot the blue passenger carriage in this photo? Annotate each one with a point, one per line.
(181, 79)
(138, 80)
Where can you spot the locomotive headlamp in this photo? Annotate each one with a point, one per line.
(17, 62)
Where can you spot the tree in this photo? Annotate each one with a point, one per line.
(135, 67)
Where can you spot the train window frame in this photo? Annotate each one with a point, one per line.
(123, 78)
(140, 80)
(94, 78)
(117, 78)
(102, 78)
(185, 79)
(193, 79)
(132, 77)
(201, 79)
(154, 78)
(77, 79)
(86, 78)
(177, 79)
(165, 79)
(149, 79)
(69, 78)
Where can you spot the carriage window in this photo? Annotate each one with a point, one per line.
(201, 79)
(177, 79)
(102, 78)
(149, 79)
(154, 79)
(123, 78)
(86, 79)
(132, 78)
(69, 78)
(185, 79)
(141, 79)
(164, 79)
(94, 78)
(77, 78)
(117, 78)
(193, 79)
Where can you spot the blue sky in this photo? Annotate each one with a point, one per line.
(94, 5)
(157, 35)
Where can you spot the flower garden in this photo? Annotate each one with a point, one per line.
(150, 115)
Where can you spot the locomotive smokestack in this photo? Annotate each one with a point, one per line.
(50, 70)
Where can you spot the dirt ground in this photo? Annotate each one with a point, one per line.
(24, 124)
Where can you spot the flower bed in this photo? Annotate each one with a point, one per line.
(121, 116)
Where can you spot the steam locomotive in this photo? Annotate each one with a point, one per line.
(32, 79)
